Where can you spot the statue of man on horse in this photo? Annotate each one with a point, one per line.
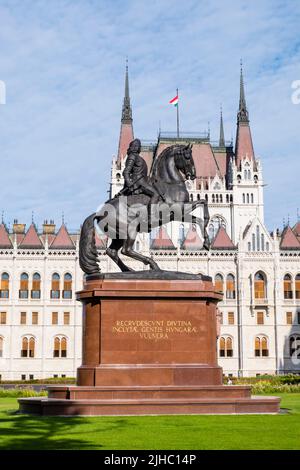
(145, 202)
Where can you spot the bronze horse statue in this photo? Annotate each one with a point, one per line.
(123, 217)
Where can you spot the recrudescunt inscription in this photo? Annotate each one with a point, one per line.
(155, 329)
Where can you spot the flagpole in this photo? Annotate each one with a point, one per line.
(177, 113)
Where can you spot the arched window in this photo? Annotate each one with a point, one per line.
(249, 246)
(36, 286)
(67, 292)
(244, 199)
(227, 197)
(198, 197)
(253, 242)
(181, 233)
(267, 246)
(225, 346)
(213, 198)
(295, 346)
(260, 286)
(191, 197)
(262, 239)
(252, 198)
(287, 287)
(261, 346)
(217, 198)
(60, 347)
(23, 292)
(4, 292)
(55, 286)
(28, 346)
(219, 282)
(230, 287)
(221, 198)
(247, 198)
(1, 346)
(297, 286)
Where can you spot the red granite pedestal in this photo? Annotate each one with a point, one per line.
(149, 347)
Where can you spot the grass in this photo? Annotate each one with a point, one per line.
(151, 432)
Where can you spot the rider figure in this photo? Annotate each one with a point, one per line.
(135, 173)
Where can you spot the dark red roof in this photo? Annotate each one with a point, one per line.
(222, 240)
(5, 241)
(192, 240)
(126, 136)
(31, 239)
(62, 239)
(244, 146)
(162, 241)
(289, 240)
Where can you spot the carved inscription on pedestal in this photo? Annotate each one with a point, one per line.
(155, 329)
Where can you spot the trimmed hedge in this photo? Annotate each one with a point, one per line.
(50, 380)
(21, 393)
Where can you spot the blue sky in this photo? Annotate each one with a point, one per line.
(63, 65)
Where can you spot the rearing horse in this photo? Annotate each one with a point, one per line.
(122, 218)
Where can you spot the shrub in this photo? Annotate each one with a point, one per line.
(21, 393)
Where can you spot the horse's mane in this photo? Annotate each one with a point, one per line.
(166, 153)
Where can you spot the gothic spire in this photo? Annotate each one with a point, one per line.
(242, 115)
(221, 138)
(126, 132)
(126, 110)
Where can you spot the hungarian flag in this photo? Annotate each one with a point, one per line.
(174, 101)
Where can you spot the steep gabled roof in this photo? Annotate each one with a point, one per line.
(289, 240)
(296, 229)
(31, 239)
(192, 240)
(101, 241)
(162, 241)
(5, 241)
(222, 240)
(62, 239)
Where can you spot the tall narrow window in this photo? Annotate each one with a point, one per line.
(55, 286)
(219, 282)
(253, 242)
(23, 292)
(230, 287)
(260, 290)
(225, 346)
(23, 318)
(28, 347)
(66, 318)
(54, 318)
(297, 286)
(4, 292)
(1, 346)
(60, 347)
(3, 318)
(289, 318)
(35, 318)
(287, 287)
(260, 318)
(36, 286)
(261, 346)
(252, 198)
(257, 238)
(295, 346)
(230, 318)
(262, 237)
(67, 292)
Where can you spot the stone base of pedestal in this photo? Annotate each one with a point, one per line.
(93, 401)
(149, 347)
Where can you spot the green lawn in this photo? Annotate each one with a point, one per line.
(152, 432)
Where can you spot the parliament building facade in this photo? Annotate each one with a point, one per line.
(257, 271)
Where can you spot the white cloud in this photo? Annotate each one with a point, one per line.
(63, 65)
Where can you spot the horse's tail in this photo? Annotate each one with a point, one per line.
(88, 255)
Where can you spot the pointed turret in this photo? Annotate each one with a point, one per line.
(221, 138)
(31, 239)
(62, 239)
(244, 146)
(126, 133)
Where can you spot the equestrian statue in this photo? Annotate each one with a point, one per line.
(144, 203)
